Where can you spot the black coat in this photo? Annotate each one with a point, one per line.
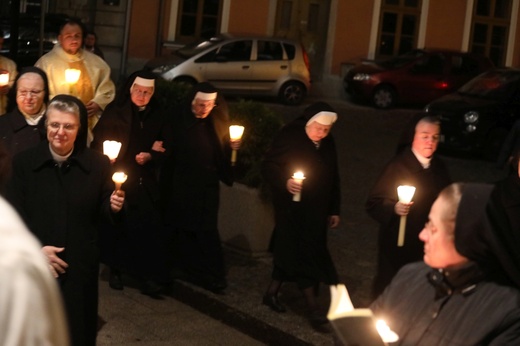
(62, 207)
(404, 169)
(199, 160)
(420, 308)
(17, 135)
(300, 235)
(141, 232)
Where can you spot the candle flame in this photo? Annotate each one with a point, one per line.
(385, 332)
(111, 149)
(405, 193)
(298, 175)
(119, 177)
(236, 132)
(4, 79)
(72, 75)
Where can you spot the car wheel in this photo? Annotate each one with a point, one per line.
(186, 80)
(493, 144)
(292, 93)
(384, 97)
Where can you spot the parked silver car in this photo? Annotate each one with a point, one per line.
(245, 66)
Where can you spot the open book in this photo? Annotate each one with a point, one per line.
(355, 327)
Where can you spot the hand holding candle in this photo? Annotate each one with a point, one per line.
(405, 194)
(235, 134)
(111, 149)
(298, 177)
(119, 178)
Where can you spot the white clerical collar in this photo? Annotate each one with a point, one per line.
(60, 158)
(424, 161)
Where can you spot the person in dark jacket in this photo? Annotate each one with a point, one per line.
(467, 290)
(137, 121)
(299, 243)
(23, 125)
(507, 194)
(200, 158)
(417, 166)
(61, 189)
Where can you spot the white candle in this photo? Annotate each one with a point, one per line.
(111, 149)
(385, 332)
(4, 79)
(298, 177)
(235, 134)
(119, 178)
(405, 194)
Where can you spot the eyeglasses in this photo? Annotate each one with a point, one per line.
(66, 127)
(29, 93)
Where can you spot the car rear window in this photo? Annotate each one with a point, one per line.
(269, 50)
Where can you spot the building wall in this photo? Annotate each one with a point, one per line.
(443, 33)
(142, 39)
(248, 17)
(352, 34)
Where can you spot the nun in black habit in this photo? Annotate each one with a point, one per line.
(299, 242)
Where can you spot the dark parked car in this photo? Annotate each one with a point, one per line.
(417, 77)
(476, 119)
(262, 66)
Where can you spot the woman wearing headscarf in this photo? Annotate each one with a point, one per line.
(136, 120)
(299, 241)
(200, 159)
(61, 189)
(467, 290)
(23, 125)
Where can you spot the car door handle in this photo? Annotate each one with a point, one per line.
(245, 67)
(283, 67)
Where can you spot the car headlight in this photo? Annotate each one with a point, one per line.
(471, 128)
(162, 69)
(471, 117)
(361, 76)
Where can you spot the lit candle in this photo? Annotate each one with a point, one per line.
(72, 77)
(119, 178)
(298, 177)
(235, 134)
(405, 194)
(111, 149)
(385, 332)
(4, 79)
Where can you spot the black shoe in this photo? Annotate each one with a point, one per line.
(272, 301)
(114, 281)
(152, 289)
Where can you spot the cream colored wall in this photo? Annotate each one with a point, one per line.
(248, 17)
(445, 24)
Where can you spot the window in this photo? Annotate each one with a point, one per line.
(490, 29)
(398, 27)
(269, 50)
(198, 19)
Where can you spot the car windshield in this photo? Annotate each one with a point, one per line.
(195, 48)
(401, 60)
(492, 84)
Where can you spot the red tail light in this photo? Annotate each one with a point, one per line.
(306, 59)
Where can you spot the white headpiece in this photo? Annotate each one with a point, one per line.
(324, 118)
(205, 96)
